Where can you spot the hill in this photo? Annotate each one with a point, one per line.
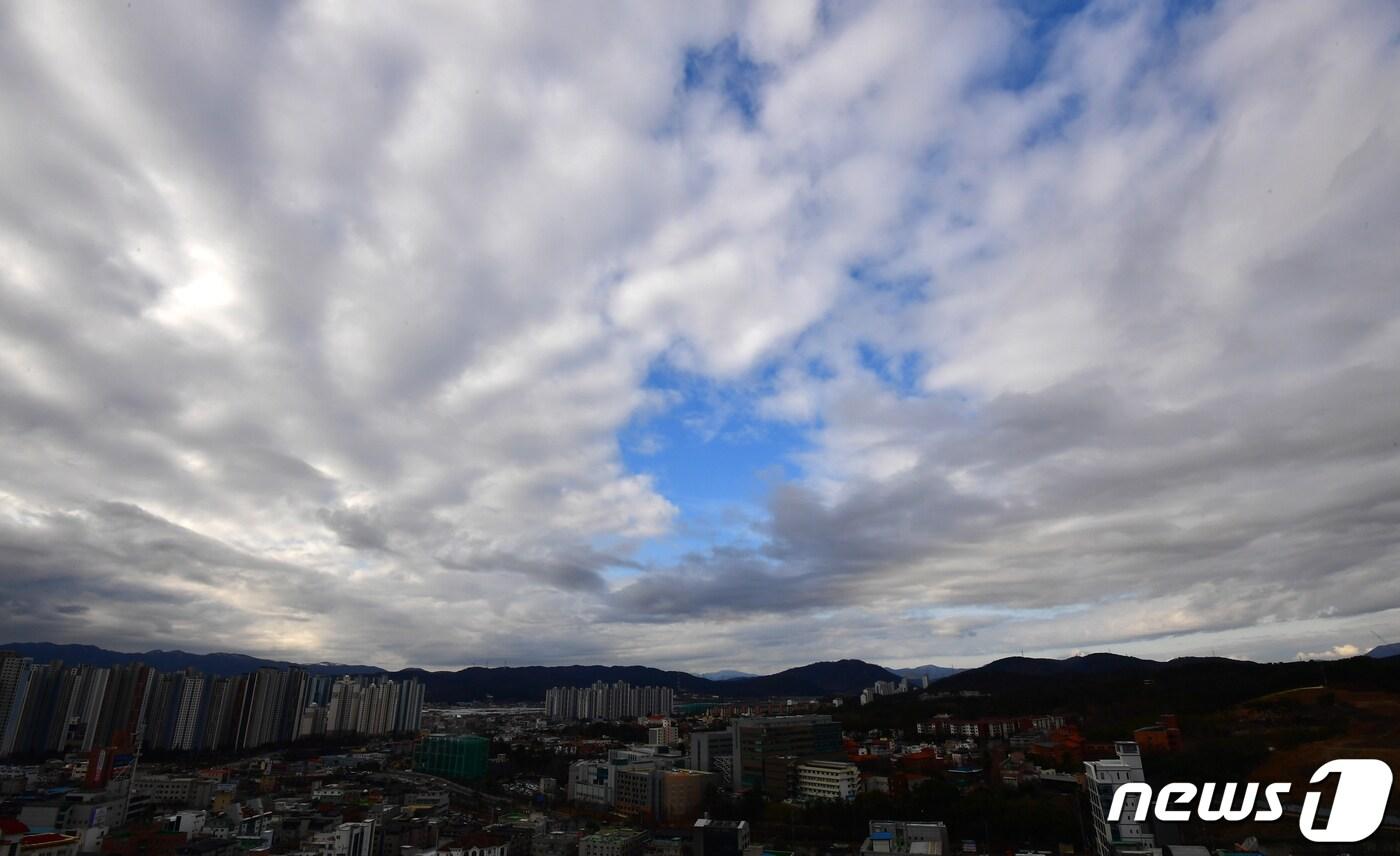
(998, 674)
(528, 683)
(1135, 689)
(173, 661)
(1390, 650)
(509, 683)
(1112, 695)
(840, 677)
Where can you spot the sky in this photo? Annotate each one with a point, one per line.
(700, 336)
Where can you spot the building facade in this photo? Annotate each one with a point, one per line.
(1103, 779)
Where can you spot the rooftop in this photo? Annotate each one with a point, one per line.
(616, 833)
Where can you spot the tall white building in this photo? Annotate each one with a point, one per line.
(1103, 779)
(367, 706)
(187, 716)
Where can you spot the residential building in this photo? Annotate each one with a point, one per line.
(663, 733)
(604, 701)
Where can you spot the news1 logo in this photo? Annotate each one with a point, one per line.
(1363, 787)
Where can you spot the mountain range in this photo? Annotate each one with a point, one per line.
(726, 675)
(174, 661)
(841, 677)
(934, 673)
(505, 683)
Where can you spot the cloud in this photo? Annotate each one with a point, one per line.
(322, 330)
(1336, 652)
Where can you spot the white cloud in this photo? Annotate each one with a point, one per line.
(347, 308)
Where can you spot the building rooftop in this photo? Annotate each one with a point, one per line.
(615, 833)
(42, 839)
(721, 824)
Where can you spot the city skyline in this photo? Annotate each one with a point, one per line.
(732, 337)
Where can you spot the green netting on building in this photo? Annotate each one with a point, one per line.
(461, 757)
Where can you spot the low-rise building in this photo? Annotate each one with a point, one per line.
(721, 837)
(616, 841)
(828, 780)
(208, 847)
(898, 836)
(185, 791)
(477, 844)
(48, 844)
(558, 843)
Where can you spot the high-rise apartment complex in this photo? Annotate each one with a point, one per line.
(49, 707)
(607, 701)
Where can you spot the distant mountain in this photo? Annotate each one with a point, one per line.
(1391, 650)
(726, 675)
(510, 683)
(1114, 693)
(172, 661)
(1042, 667)
(998, 673)
(528, 683)
(841, 677)
(935, 673)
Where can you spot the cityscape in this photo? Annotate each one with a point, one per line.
(728, 428)
(1021, 755)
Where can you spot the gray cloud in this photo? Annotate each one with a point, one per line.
(317, 331)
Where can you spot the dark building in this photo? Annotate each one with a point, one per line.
(720, 837)
(767, 749)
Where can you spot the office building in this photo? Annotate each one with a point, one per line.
(1103, 779)
(766, 750)
(827, 780)
(706, 747)
(720, 837)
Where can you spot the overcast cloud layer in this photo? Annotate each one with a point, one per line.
(326, 330)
